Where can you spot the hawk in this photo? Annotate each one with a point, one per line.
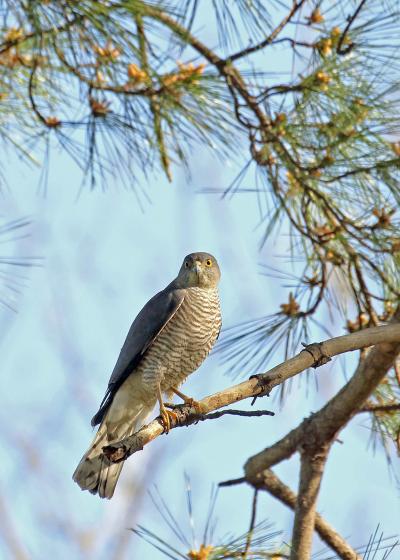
(168, 340)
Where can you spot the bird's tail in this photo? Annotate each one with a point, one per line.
(95, 472)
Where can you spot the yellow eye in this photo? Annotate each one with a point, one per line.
(208, 262)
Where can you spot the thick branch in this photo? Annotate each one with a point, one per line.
(321, 428)
(285, 495)
(311, 471)
(256, 386)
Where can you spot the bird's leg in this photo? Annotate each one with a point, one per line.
(164, 413)
(190, 401)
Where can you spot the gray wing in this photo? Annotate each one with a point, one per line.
(144, 330)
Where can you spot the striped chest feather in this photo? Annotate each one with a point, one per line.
(186, 339)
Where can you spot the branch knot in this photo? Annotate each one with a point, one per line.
(263, 383)
(317, 352)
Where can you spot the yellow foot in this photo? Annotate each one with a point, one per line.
(196, 405)
(189, 401)
(166, 416)
(170, 405)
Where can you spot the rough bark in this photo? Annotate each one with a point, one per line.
(311, 472)
(326, 532)
(314, 436)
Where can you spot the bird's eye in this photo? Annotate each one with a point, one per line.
(186, 264)
(208, 262)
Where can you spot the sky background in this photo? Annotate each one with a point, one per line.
(104, 255)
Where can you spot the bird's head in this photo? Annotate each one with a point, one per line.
(199, 270)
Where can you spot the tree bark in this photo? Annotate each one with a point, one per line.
(326, 532)
(311, 471)
(327, 422)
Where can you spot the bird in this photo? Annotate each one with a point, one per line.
(169, 339)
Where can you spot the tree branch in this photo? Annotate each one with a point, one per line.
(311, 471)
(321, 428)
(229, 411)
(181, 31)
(314, 436)
(372, 407)
(284, 494)
(7, 45)
(260, 385)
(350, 22)
(224, 67)
(268, 41)
(252, 525)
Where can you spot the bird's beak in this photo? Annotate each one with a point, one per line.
(197, 268)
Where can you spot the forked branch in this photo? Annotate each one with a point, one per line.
(326, 532)
(314, 436)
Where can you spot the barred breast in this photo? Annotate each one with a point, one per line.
(184, 342)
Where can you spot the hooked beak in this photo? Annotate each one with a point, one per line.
(197, 268)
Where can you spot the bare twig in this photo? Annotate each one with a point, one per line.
(346, 30)
(232, 482)
(252, 525)
(245, 52)
(31, 94)
(229, 411)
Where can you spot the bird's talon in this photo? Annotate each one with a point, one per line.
(189, 401)
(200, 408)
(170, 405)
(166, 416)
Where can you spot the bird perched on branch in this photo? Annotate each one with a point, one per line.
(168, 340)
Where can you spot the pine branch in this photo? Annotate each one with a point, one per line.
(314, 436)
(311, 471)
(322, 427)
(389, 407)
(252, 525)
(26, 37)
(350, 22)
(273, 485)
(154, 105)
(270, 39)
(260, 385)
